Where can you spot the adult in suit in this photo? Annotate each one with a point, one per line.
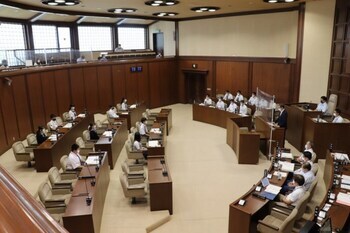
(40, 135)
(282, 119)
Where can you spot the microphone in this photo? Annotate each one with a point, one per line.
(88, 198)
(93, 181)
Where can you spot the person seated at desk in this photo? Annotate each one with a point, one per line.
(243, 110)
(281, 121)
(336, 116)
(137, 146)
(119, 48)
(308, 147)
(75, 161)
(253, 100)
(40, 135)
(298, 192)
(53, 125)
(306, 172)
(112, 113)
(239, 97)
(81, 59)
(228, 95)
(220, 104)
(103, 58)
(72, 113)
(322, 106)
(123, 104)
(208, 101)
(232, 107)
(38, 62)
(92, 132)
(143, 128)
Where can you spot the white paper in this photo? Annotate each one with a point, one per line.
(53, 137)
(156, 130)
(345, 186)
(92, 160)
(326, 207)
(341, 156)
(107, 134)
(68, 126)
(153, 143)
(274, 189)
(124, 113)
(286, 166)
(283, 174)
(287, 155)
(81, 115)
(133, 106)
(320, 120)
(343, 198)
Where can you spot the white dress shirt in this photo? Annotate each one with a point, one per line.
(297, 193)
(220, 105)
(238, 98)
(308, 177)
(243, 110)
(232, 107)
(253, 100)
(72, 114)
(323, 107)
(137, 146)
(124, 107)
(338, 119)
(112, 114)
(53, 125)
(143, 129)
(228, 96)
(208, 101)
(74, 161)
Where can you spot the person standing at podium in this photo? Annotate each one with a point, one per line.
(239, 96)
(253, 100)
(281, 121)
(220, 104)
(336, 116)
(322, 106)
(228, 95)
(232, 107)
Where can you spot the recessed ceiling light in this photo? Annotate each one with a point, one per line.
(52, 3)
(280, 1)
(161, 2)
(165, 14)
(60, 2)
(121, 10)
(205, 9)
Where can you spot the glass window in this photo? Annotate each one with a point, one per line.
(64, 37)
(45, 37)
(95, 38)
(132, 37)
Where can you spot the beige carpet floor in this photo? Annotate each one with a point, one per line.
(206, 179)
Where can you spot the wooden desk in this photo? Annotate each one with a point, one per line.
(160, 186)
(133, 115)
(159, 137)
(48, 154)
(114, 145)
(244, 142)
(212, 116)
(244, 219)
(338, 213)
(166, 115)
(324, 134)
(264, 128)
(79, 217)
(296, 118)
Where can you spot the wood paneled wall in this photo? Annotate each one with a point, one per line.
(273, 76)
(36, 93)
(339, 73)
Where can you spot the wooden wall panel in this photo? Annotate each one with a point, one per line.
(9, 113)
(36, 99)
(172, 84)
(76, 78)
(154, 84)
(232, 76)
(131, 84)
(119, 84)
(49, 94)
(105, 92)
(62, 90)
(22, 106)
(142, 84)
(91, 90)
(272, 78)
(3, 138)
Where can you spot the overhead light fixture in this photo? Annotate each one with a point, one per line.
(280, 1)
(162, 2)
(165, 14)
(60, 2)
(122, 10)
(205, 9)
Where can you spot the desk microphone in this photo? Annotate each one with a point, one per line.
(88, 198)
(92, 182)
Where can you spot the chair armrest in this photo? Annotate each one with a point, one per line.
(50, 204)
(60, 191)
(69, 175)
(283, 205)
(136, 181)
(136, 186)
(23, 153)
(86, 149)
(62, 187)
(268, 225)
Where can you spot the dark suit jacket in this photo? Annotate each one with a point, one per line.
(93, 135)
(282, 119)
(40, 138)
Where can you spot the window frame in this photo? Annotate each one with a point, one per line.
(111, 26)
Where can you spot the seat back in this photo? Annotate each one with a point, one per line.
(144, 114)
(314, 168)
(59, 120)
(128, 147)
(63, 162)
(131, 138)
(119, 107)
(65, 116)
(137, 124)
(124, 183)
(332, 104)
(31, 139)
(44, 192)
(133, 129)
(314, 156)
(312, 188)
(86, 135)
(288, 223)
(301, 205)
(249, 111)
(80, 142)
(18, 147)
(54, 176)
(48, 127)
(98, 124)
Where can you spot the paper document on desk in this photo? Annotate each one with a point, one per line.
(153, 143)
(93, 160)
(283, 174)
(81, 115)
(341, 156)
(155, 130)
(124, 113)
(319, 120)
(274, 189)
(287, 166)
(345, 179)
(107, 134)
(287, 155)
(345, 186)
(343, 198)
(53, 137)
(68, 126)
(132, 106)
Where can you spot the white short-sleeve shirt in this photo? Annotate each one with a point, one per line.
(124, 106)
(137, 145)
(238, 98)
(220, 105)
(53, 125)
(208, 101)
(243, 109)
(228, 96)
(112, 114)
(74, 161)
(72, 114)
(297, 193)
(253, 100)
(338, 119)
(232, 107)
(143, 129)
(323, 107)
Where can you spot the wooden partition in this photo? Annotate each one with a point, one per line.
(37, 92)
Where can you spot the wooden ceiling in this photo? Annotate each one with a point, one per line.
(97, 10)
